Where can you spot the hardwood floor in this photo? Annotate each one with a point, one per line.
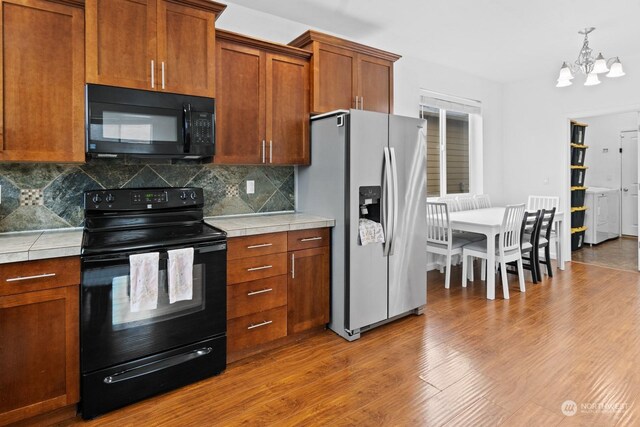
(618, 253)
(466, 362)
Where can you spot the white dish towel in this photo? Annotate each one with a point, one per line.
(143, 280)
(180, 273)
(370, 232)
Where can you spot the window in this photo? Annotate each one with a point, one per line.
(449, 143)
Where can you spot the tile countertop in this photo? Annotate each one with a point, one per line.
(273, 223)
(16, 247)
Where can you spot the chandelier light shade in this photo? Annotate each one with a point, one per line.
(588, 65)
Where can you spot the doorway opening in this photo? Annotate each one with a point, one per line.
(611, 194)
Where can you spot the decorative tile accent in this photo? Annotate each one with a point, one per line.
(232, 190)
(60, 204)
(31, 197)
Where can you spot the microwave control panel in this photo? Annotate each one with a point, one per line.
(201, 128)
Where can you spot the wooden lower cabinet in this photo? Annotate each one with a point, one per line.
(308, 290)
(277, 292)
(39, 343)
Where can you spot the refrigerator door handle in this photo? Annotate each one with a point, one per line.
(394, 180)
(386, 202)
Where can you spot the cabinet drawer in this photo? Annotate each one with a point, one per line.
(254, 268)
(260, 244)
(258, 328)
(256, 296)
(18, 277)
(306, 239)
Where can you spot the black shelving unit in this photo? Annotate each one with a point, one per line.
(578, 190)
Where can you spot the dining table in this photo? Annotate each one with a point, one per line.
(487, 221)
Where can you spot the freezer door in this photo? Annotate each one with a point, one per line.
(408, 257)
(367, 265)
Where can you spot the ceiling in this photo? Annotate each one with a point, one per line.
(501, 40)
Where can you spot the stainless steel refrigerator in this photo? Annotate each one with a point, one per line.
(370, 165)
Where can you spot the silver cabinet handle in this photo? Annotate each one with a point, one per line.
(263, 151)
(309, 239)
(162, 67)
(261, 245)
(362, 103)
(270, 151)
(356, 102)
(264, 267)
(265, 323)
(293, 266)
(261, 291)
(21, 278)
(153, 75)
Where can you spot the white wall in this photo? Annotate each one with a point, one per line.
(410, 75)
(536, 129)
(603, 156)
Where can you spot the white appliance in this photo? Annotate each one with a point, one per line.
(368, 165)
(602, 217)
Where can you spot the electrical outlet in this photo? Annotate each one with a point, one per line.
(251, 186)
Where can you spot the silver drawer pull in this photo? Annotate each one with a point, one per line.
(264, 267)
(265, 323)
(261, 291)
(261, 245)
(308, 239)
(39, 276)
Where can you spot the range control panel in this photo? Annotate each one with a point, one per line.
(143, 198)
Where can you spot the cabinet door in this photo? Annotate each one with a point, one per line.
(240, 105)
(375, 84)
(308, 289)
(287, 110)
(334, 78)
(38, 352)
(121, 43)
(186, 49)
(42, 86)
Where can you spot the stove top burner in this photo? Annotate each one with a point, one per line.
(116, 220)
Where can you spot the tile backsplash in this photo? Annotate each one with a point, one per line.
(38, 196)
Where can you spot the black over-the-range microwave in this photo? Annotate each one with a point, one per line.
(142, 123)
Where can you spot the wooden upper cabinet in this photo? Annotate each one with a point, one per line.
(121, 42)
(287, 110)
(186, 49)
(42, 84)
(346, 74)
(164, 45)
(240, 123)
(262, 102)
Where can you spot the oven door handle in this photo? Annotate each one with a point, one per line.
(156, 366)
(163, 253)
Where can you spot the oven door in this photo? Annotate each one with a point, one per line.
(111, 333)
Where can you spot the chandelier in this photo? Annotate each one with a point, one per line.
(589, 66)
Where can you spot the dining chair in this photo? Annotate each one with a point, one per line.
(466, 203)
(546, 224)
(440, 239)
(451, 201)
(535, 203)
(529, 234)
(482, 201)
(508, 248)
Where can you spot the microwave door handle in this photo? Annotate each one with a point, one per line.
(186, 127)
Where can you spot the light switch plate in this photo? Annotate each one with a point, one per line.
(251, 186)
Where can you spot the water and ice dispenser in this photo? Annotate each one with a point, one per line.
(369, 226)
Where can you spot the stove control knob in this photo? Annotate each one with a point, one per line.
(183, 195)
(193, 195)
(97, 199)
(110, 198)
